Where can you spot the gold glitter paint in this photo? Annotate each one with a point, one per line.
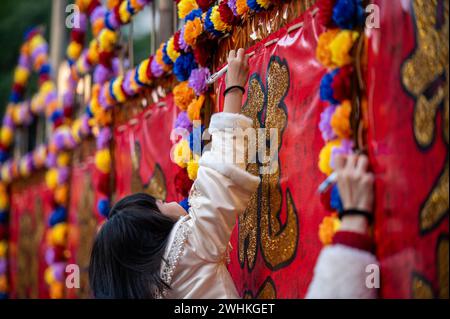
(421, 289)
(420, 71)
(266, 291)
(278, 242)
(443, 258)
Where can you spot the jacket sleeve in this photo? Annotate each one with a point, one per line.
(223, 188)
(343, 272)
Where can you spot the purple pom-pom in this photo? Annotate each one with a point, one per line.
(103, 138)
(325, 123)
(59, 270)
(101, 74)
(197, 80)
(157, 69)
(183, 122)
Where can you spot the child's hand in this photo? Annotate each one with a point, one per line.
(238, 68)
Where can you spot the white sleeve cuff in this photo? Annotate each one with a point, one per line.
(221, 121)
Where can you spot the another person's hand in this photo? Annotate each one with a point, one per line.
(355, 184)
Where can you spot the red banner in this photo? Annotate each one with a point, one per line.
(142, 153)
(276, 242)
(30, 210)
(408, 141)
(83, 223)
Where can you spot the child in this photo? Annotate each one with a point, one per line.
(151, 249)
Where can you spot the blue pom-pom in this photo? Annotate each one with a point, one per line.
(59, 215)
(103, 207)
(254, 5)
(347, 14)
(56, 115)
(89, 112)
(107, 20)
(3, 296)
(166, 57)
(326, 90)
(197, 13)
(15, 97)
(45, 69)
(209, 25)
(3, 217)
(183, 66)
(3, 156)
(185, 204)
(335, 201)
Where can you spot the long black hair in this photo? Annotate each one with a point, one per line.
(128, 250)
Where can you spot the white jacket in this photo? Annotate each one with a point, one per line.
(197, 246)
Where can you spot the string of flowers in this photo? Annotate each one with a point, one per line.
(333, 51)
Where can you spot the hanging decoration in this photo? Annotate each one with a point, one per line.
(334, 51)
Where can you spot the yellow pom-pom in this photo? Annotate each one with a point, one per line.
(3, 248)
(142, 74)
(5, 174)
(49, 276)
(6, 136)
(103, 161)
(183, 95)
(264, 3)
(21, 75)
(329, 226)
(192, 168)
(117, 90)
(4, 284)
(192, 30)
(325, 157)
(173, 55)
(61, 195)
(181, 154)
(125, 16)
(341, 47)
(107, 40)
(194, 109)
(340, 121)
(185, 7)
(74, 50)
(36, 41)
(217, 21)
(323, 52)
(56, 290)
(4, 201)
(241, 7)
(51, 178)
(63, 159)
(58, 234)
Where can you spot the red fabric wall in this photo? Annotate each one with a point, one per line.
(142, 153)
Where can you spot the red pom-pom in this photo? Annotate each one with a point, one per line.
(101, 182)
(226, 15)
(92, 6)
(58, 122)
(77, 36)
(149, 68)
(176, 41)
(68, 111)
(325, 199)
(203, 52)
(183, 183)
(342, 84)
(3, 231)
(204, 4)
(105, 59)
(18, 89)
(326, 12)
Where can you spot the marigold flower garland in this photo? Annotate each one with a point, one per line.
(334, 52)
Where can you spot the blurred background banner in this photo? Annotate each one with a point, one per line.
(142, 153)
(30, 210)
(407, 120)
